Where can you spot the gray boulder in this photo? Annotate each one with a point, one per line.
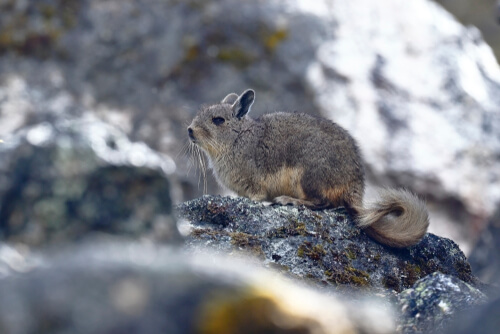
(435, 301)
(66, 177)
(321, 247)
(482, 319)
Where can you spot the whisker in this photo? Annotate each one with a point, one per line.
(182, 150)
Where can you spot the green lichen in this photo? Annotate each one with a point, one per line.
(204, 233)
(243, 239)
(349, 276)
(315, 252)
(412, 273)
(235, 56)
(274, 38)
(248, 242)
(350, 254)
(294, 228)
(464, 270)
(19, 35)
(392, 282)
(352, 251)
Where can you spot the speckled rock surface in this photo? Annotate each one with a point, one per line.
(429, 307)
(133, 288)
(66, 177)
(320, 246)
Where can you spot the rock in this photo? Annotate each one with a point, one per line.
(485, 256)
(485, 15)
(16, 259)
(64, 178)
(482, 319)
(430, 306)
(321, 247)
(131, 288)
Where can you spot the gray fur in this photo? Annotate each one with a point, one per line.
(295, 158)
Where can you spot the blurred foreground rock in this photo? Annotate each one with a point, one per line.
(66, 177)
(434, 303)
(128, 288)
(482, 319)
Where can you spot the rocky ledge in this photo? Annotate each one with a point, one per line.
(429, 283)
(322, 246)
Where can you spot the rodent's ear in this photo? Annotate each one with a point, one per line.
(242, 105)
(230, 98)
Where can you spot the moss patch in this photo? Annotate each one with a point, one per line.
(315, 252)
(349, 276)
(294, 228)
(247, 241)
(274, 38)
(236, 56)
(18, 34)
(204, 233)
(392, 282)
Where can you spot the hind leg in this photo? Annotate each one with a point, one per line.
(287, 200)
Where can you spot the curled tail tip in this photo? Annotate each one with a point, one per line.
(398, 219)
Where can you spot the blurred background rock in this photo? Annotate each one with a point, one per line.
(483, 14)
(419, 91)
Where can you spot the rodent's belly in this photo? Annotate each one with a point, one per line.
(285, 182)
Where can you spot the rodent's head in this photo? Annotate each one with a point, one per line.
(216, 127)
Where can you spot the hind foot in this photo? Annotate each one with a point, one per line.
(287, 200)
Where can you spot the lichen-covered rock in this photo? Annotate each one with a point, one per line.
(434, 301)
(131, 288)
(324, 247)
(65, 177)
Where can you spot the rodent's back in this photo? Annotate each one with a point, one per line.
(325, 153)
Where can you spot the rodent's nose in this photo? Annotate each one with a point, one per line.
(191, 133)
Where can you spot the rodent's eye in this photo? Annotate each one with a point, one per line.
(218, 120)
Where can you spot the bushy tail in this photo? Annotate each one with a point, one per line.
(397, 219)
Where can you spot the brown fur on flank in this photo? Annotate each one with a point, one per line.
(298, 159)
